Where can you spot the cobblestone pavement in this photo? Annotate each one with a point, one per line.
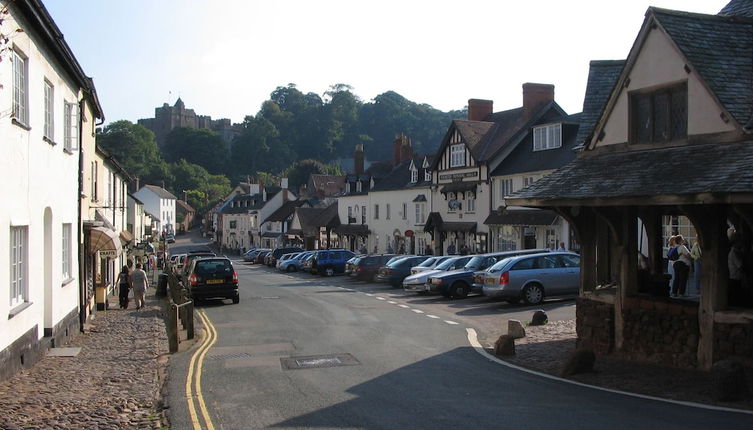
(113, 383)
(547, 348)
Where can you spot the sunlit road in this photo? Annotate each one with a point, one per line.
(364, 358)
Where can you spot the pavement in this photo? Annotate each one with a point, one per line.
(114, 382)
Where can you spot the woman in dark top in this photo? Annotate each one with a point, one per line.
(124, 282)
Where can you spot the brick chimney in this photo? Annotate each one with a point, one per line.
(401, 149)
(358, 160)
(536, 95)
(284, 186)
(479, 109)
(137, 184)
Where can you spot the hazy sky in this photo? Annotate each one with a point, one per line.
(224, 57)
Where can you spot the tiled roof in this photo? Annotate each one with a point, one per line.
(738, 8)
(721, 50)
(284, 211)
(313, 218)
(184, 206)
(161, 192)
(602, 76)
(682, 170)
(399, 178)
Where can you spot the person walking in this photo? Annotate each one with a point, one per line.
(670, 263)
(428, 250)
(124, 286)
(681, 267)
(140, 284)
(451, 249)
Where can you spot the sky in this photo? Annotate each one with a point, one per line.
(225, 57)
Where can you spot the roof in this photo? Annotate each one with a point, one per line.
(159, 191)
(435, 220)
(520, 217)
(185, 207)
(328, 184)
(284, 211)
(135, 198)
(44, 26)
(602, 77)
(719, 48)
(400, 177)
(693, 174)
(313, 218)
(738, 8)
(243, 203)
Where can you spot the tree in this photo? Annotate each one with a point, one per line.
(298, 173)
(198, 146)
(135, 148)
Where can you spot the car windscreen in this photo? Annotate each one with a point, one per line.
(476, 261)
(445, 265)
(396, 262)
(213, 267)
(428, 262)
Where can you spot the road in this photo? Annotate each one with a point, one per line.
(384, 359)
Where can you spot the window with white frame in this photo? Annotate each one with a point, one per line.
(414, 176)
(18, 265)
(49, 111)
(470, 203)
(20, 88)
(376, 211)
(109, 189)
(350, 213)
(359, 187)
(457, 155)
(420, 213)
(505, 188)
(95, 185)
(71, 126)
(528, 181)
(387, 212)
(547, 137)
(363, 214)
(405, 211)
(66, 254)
(427, 175)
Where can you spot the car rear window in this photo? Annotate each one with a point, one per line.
(526, 264)
(213, 267)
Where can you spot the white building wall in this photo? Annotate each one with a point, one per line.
(386, 232)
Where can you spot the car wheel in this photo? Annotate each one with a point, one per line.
(445, 294)
(290, 269)
(533, 294)
(459, 290)
(329, 271)
(237, 299)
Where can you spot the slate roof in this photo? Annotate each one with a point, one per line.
(313, 218)
(710, 169)
(400, 176)
(184, 206)
(255, 202)
(284, 211)
(524, 159)
(738, 8)
(602, 77)
(328, 184)
(161, 192)
(720, 48)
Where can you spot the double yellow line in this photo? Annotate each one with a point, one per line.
(193, 385)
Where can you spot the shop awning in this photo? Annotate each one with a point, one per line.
(467, 227)
(126, 236)
(521, 217)
(104, 239)
(459, 187)
(352, 229)
(271, 234)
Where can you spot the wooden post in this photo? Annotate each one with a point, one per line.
(627, 253)
(189, 320)
(714, 276)
(171, 324)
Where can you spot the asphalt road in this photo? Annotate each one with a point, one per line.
(410, 365)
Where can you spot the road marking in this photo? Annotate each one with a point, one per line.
(392, 302)
(381, 298)
(195, 366)
(473, 340)
(418, 311)
(404, 306)
(369, 294)
(432, 316)
(450, 322)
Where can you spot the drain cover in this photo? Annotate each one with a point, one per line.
(318, 361)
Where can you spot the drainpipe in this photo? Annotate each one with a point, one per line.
(81, 249)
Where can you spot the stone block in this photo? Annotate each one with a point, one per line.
(504, 346)
(728, 382)
(690, 311)
(582, 361)
(661, 306)
(539, 318)
(674, 309)
(515, 329)
(647, 305)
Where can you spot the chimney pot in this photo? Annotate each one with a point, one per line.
(479, 109)
(358, 158)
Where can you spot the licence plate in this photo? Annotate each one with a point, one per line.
(477, 279)
(215, 281)
(490, 280)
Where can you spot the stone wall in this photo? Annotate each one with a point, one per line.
(733, 341)
(595, 325)
(661, 331)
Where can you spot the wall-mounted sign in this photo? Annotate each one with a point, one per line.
(454, 204)
(108, 253)
(459, 175)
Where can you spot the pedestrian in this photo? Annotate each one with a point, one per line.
(401, 250)
(681, 267)
(670, 262)
(140, 283)
(376, 249)
(124, 287)
(562, 247)
(464, 250)
(451, 249)
(695, 253)
(362, 250)
(428, 250)
(390, 250)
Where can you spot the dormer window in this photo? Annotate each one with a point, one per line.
(413, 176)
(457, 155)
(371, 183)
(547, 137)
(347, 187)
(427, 175)
(358, 187)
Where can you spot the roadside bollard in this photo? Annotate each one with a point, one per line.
(189, 319)
(172, 330)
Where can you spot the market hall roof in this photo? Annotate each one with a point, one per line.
(602, 77)
(689, 174)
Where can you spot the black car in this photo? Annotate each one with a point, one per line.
(366, 268)
(393, 273)
(213, 278)
(190, 258)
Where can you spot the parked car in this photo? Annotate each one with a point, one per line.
(285, 257)
(250, 254)
(259, 259)
(211, 278)
(183, 274)
(428, 264)
(366, 267)
(330, 261)
(394, 273)
(417, 282)
(170, 238)
(305, 265)
(279, 252)
(531, 278)
(458, 284)
(293, 264)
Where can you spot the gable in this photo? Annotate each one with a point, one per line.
(655, 62)
(454, 140)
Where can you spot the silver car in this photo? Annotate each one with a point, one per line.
(428, 264)
(533, 277)
(417, 281)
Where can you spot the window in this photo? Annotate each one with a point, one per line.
(528, 181)
(359, 187)
(20, 89)
(387, 212)
(233, 224)
(350, 214)
(457, 155)
(414, 176)
(471, 204)
(427, 175)
(363, 214)
(66, 254)
(547, 137)
(405, 211)
(49, 111)
(18, 265)
(376, 211)
(420, 213)
(109, 189)
(505, 188)
(659, 116)
(95, 168)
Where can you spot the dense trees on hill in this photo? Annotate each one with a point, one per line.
(293, 134)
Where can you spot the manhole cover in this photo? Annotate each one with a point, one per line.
(318, 361)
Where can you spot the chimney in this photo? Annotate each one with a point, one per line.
(406, 151)
(401, 149)
(137, 184)
(479, 109)
(263, 193)
(284, 186)
(358, 160)
(163, 184)
(536, 95)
